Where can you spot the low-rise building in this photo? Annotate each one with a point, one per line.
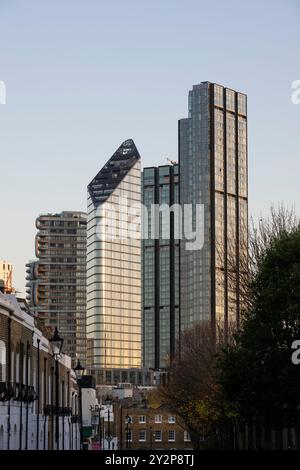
(30, 415)
(134, 376)
(6, 273)
(141, 426)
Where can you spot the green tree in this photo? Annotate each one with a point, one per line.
(256, 372)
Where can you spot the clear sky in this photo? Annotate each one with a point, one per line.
(84, 75)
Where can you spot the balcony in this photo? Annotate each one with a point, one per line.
(52, 410)
(17, 391)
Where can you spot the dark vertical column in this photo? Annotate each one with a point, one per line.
(76, 425)
(172, 267)
(52, 408)
(108, 425)
(225, 215)
(80, 415)
(156, 280)
(121, 427)
(9, 381)
(57, 404)
(68, 405)
(27, 394)
(212, 209)
(38, 395)
(21, 394)
(63, 414)
(44, 401)
(44, 392)
(72, 420)
(237, 214)
(181, 222)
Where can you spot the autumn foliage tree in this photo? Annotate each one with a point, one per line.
(192, 389)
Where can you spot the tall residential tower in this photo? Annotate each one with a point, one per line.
(213, 173)
(161, 315)
(114, 263)
(56, 282)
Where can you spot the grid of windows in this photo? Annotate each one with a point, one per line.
(213, 172)
(160, 267)
(56, 283)
(113, 263)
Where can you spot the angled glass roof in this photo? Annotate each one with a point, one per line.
(113, 172)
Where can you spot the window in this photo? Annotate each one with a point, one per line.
(158, 419)
(157, 436)
(129, 436)
(186, 436)
(142, 419)
(171, 435)
(142, 435)
(171, 419)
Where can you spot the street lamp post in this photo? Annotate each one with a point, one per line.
(9, 383)
(109, 434)
(38, 396)
(109, 437)
(127, 431)
(79, 371)
(27, 394)
(56, 343)
(100, 430)
(21, 393)
(103, 433)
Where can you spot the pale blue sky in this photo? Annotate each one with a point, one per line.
(83, 75)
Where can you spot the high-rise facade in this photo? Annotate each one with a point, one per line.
(56, 281)
(213, 173)
(161, 256)
(114, 262)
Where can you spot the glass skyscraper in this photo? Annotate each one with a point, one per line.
(213, 172)
(161, 316)
(114, 263)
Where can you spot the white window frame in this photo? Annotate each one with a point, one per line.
(174, 433)
(158, 419)
(142, 419)
(145, 434)
(160, 439)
